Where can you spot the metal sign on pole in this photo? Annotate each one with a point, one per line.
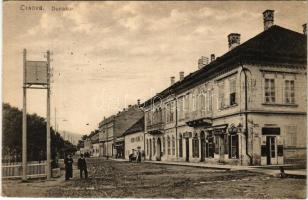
(36, 75)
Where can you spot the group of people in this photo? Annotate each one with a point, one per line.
(81, 164)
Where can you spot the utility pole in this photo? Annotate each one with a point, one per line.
(48, 117)
(24, 120)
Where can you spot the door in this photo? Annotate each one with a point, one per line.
(271, 147)
(202, 146)
(158, 154)
(150, 157)
(221, 149)
(187, 149)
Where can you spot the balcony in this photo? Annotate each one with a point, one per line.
(156, 128)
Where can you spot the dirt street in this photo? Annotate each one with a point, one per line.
(144, 180)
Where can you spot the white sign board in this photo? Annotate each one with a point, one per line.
(36, 72)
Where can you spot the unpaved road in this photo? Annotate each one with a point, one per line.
(144, 180)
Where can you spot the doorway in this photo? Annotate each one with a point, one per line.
(187, 149)
(158, 154)
(150, 157)
(202, 136)
(271, 150)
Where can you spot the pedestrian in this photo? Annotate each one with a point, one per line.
(68, 167)
(82, 166)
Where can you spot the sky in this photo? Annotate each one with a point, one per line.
(106, 55)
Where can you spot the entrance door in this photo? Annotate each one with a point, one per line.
(202, 146)
(187, 149)
(271, 156)
(221, 149)
(150, 157)
(158, 154)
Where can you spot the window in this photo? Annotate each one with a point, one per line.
(232, 85)
(172, 112)
(291, 136)
(195, 147)
(221, 95)
(289, 92)
(269, 89)
(194, 102)
(209, 101)
(181, 108)
(168, 143)
(202, 99)
(186, 106)
(132, 140)
(181, 146)
(173, 145)
(233, 146)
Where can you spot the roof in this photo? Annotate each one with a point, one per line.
(137, 127)
(276, 45)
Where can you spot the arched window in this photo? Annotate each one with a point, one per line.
(168, 143)
(181, 146)
(173, 145)
(195, 146)
(164, 146)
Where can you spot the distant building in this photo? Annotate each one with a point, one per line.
(112, 128)
(134, 138)
(246, 107)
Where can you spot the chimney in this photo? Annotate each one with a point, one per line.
(181, 76)
(202, 62)
(234, 40)
(172, 80)
(268, 19)
(138, 102)
(305, 29)
(212, 57)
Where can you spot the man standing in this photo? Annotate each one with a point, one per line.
(82, 166)
(68, 167)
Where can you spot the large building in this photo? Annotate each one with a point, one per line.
(247, 107)
(112, 128)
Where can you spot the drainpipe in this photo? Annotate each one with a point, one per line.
(246, 114)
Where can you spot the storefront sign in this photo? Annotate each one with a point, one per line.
(219, 131)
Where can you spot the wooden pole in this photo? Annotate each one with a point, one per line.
(24, 120)
(48, 118)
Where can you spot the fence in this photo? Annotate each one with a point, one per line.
(35, 169)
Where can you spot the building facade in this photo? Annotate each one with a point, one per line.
(112, 128)
(134, 139)
(247, 107)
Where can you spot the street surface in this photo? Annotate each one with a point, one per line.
(115, 179)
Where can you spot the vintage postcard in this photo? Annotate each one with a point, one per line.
(154, 99)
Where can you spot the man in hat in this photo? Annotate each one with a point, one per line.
(82, 166)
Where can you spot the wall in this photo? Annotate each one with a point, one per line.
(129, 145)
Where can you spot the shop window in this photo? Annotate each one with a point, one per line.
(195, 147)
(181, 146)
(269, 89)
(164, 146)
(289, 91)
(173, 146)
(168, 145)
(216, 144)
(233, 146)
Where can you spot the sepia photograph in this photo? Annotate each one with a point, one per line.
(154, 99)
